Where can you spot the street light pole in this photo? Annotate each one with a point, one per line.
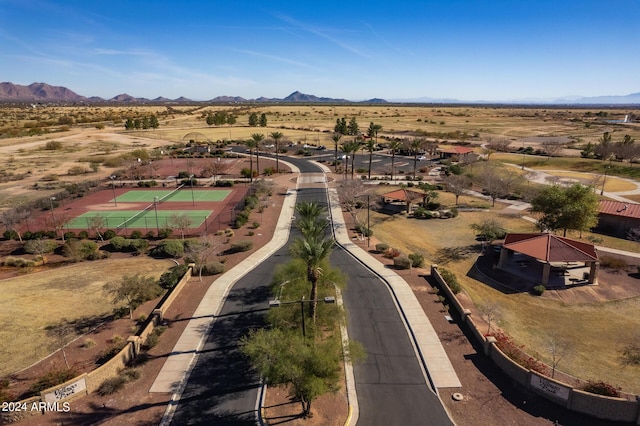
(113, 187)
(604, 180)
(193, 200)
(155, 207)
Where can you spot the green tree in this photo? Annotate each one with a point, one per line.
(341, 126)
(350, 149)
(276, 136)
(605, 148)
(283, 357)
(263, 120)
(457, 185)
(373, 130)
(210, 119)
(133, 289)
(253, 119)
(489, 229)
(129, 124)
(575, 207)
(310, 221)
(153, 122)
(352, 128)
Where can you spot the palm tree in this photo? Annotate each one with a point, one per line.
(314, 251)
(276, 136)
(310, 222)
(371, 146)
(394, 145)
(251, 144)
(416, 146)
(257, 138)
(336, 138)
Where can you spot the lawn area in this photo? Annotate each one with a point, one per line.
(612, 184)
(596, 331)
(32, 301)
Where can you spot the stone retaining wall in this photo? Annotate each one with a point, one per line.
(603, 407)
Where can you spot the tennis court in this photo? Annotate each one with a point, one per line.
(136, 219)
(183, 194)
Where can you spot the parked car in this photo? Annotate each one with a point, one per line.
(421, 158)
(321, 147)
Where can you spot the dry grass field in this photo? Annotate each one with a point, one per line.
(32, 301)
(597, 331)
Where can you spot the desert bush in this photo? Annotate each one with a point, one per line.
(170, 278)
(241, 246)
(52, 378)
(108, 234)
(77, 170)
(40, 246)
(223, 183)
(164, 233)
(367, 232)
(612, 262)
(83, 235)
(137, 234)
(451, 280)
(53, 146)
(391, 253)
(18, 262)
(539, 290)
(601, 388)
(154, 337)
(241, 219)
(168, 248)
(88, 343)
(417, 260)
(213, 268)
(381, 247)
(402, 262)
(111, 385)
(594, 239)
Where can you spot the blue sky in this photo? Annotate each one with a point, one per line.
(473, 50)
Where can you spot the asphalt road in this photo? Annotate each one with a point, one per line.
(391, 387)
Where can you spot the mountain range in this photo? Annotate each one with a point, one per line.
(45, 93)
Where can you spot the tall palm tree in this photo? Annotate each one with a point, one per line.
(416, 146)
(311, 221)
(251, 144)
(394, 145)
(371, 146)
(276, 136)
(336, 138)
(314, 251)
(257, 138)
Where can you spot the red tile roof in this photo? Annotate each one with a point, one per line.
(456, 150)
(551, 248)
(617, 208)
(404, 194)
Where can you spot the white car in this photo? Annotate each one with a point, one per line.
(343, 157)
(421, 158)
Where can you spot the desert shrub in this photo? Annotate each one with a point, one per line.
(223, 183)
(516, 353)
(154, 336)
(53, 146)
(539, 290)
(88, 343)
(18, 262)
(170, 278)
(402, 262)
(213, 268)
(241, 219)
(118, 243)
(391, 253)
(116, 343)
(69, 235)
(367, 232)
(381, 247)
(241, 246)
(168, 248)
(40, 246)
(77, 170)
(164, 233)
(601, 388)
(10, 234)
(111, 385)
(451, 280)
(83, 235)
(52, 378)
(417, 260)
(594, 239)
(137, 234)
(433, 205)
(612, 262)
(452, 213)
(108, 234)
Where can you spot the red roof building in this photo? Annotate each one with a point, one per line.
(549, 248)
(617, 218)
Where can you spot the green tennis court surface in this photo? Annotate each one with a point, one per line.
(182, 195)
(133, 219)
